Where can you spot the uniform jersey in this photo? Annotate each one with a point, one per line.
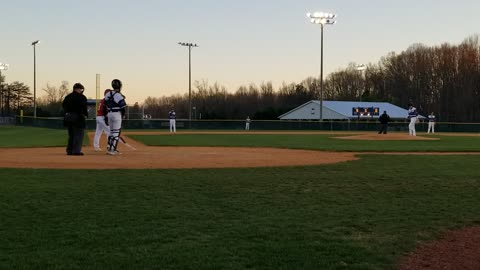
(115, 101)
(102, 109)
(412, 112)
(172, 115)
(431, 118)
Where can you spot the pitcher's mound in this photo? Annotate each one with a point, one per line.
(387, 137)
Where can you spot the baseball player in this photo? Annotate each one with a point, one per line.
(412, 115)
(247, 123)
(115, 103)
(431, 123)
(102, 126)
(173, 116)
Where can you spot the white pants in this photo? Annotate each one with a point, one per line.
(101, 128)
(173, 127)
(431, 127)
(247, 126)
(115, 123)
(411, 127)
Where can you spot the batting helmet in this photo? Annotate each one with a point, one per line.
(116, 84)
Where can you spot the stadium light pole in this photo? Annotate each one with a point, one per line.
(322, 19)
(190, 46)
(362, 69)
(35, 79)
(3, 67)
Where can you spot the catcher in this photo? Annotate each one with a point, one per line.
(116, 104)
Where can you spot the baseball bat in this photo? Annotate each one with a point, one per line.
(127, 144)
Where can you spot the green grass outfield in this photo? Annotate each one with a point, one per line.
(358, 215)
(314, 142)
(363, 214)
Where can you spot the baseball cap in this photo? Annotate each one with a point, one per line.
(78, 86)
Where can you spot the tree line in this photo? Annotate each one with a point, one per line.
(443, 79)
(13, 97)
(16, 97)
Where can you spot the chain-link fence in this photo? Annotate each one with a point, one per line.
(6, 121)
(256, 125)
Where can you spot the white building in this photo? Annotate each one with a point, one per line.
(345, 110)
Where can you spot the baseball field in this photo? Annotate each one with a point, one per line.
(228, 200)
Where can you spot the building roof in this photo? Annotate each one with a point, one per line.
(338, 110)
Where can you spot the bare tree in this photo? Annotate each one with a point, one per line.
(443, 79)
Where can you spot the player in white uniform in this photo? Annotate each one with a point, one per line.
(173, 116)
(102, 126)
(431, 123)
(412, 115)
(247, 123)
(115, 103)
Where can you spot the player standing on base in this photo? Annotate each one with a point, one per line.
(431, 123)
(173, 119)
(115, 103)
(102, 126)
(412, 115)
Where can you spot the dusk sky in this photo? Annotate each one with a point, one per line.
(241, 42)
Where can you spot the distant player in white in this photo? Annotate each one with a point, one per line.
(172, 116)
(247, 123)
(412, 115)
(115, 103)
(102, 126)
(431, 123)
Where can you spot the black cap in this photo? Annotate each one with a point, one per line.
(78, 86)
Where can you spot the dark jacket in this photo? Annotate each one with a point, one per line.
(75, 108)
(384, 119)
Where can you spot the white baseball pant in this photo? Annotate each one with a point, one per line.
(101, 128)
(173, 127)
(411, 127)
(431, 127)
(115, 123)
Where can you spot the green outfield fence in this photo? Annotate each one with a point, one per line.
(257, 125)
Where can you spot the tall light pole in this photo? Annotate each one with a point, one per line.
(322, 19)
(190, 46)
(362, 69)
(35, 79)
(5, 67)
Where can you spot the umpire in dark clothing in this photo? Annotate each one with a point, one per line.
(384, 119)
(75, 108)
